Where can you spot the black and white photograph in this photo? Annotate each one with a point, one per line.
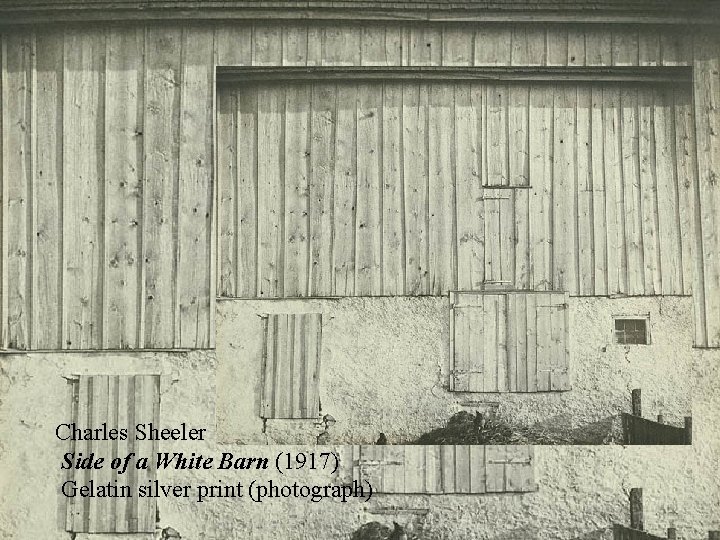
(359, 269)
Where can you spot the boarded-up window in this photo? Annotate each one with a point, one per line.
(291, 366)
(446, 469)
(499, 214)
(509, 342)
(118, 401)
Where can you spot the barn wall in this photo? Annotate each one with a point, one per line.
(581, 490)
(385, 367)
(407, 188)
(130, 265)
(107, 189)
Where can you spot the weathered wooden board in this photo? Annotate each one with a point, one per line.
(291, 366)
(509, 342)
(421, 188)
(117, 400)
(446, 469)
(70, 284)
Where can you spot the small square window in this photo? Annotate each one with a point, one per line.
(632, 331)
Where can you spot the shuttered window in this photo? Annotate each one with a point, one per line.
(509, 342)
(446, 469)
(291, 366)
(118, 401)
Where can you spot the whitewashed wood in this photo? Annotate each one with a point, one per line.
(291, 366)
(295, 182)
(462, 469)
(194, 303)
(322, 170)
(18, 164)
(368, 223)
(123, 189)
(706, 88)
(160, 191)
(83, 180)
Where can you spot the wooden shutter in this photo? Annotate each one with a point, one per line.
(509, 342)
(291, 366)
(118, 401)
(446, 469)
(499, 215)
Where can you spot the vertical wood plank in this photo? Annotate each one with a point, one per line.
(147, 397)
(649, 51)
(246, 194)
(228, 161)
(160, 190)
(686, 175)
(47, 191)
(469, 205)
(706, 91)
(564, 191)
(540, 126)
(670, 256)
(557, 46)
(323, 123)
(19, 162)
(123, 188)
(477, 469)
(368, 226)
(511, 358)
(614, 204)
(194, 214)
(532, 342)
(267, 45)
(519, 173)
(341, 46)
(597, 167)
(233, 44)
(495, 468)
(625, 47)
(598, 46)
(295, 45)
(632, 194)
(493, 46)
(393, 195)
(491, 344)
(457, 46)
(297, 207)
(544, 342)
(584, 181)
(267, 403)
(345, 195)
(528, 46)
(415, 167)
(649, 194)
(462, 468)
(676, 48)
(441, 190)
(84, 174)
(496, 135)
(576, 47)
(270, 192)
(556, 310)
(425, 46)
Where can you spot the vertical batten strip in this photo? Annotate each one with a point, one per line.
(4, 326)
(48, 206)
(178, 133)
(31, 196)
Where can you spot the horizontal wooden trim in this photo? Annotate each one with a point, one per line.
(691, 12)
(646, 74)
